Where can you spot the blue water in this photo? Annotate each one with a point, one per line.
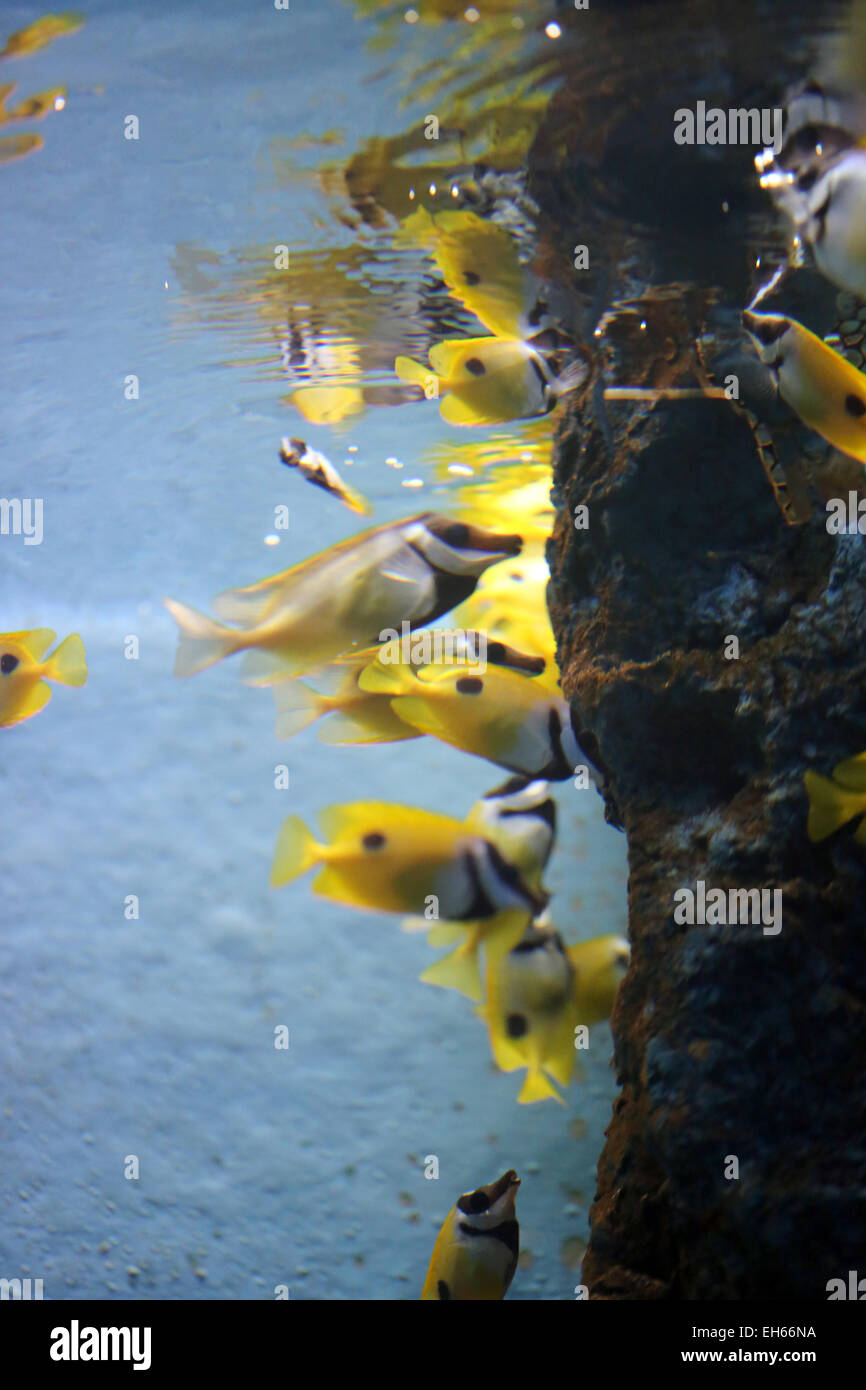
(154, 1037)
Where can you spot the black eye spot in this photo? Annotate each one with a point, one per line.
(8, 662)
(475, 366)
(471, 277)
(470, 685)
(516, 1026)
(443, 1290)
(374, 840)
(479, 1201)
(855, 406)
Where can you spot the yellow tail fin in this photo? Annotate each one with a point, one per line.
(537, 1087)
(459, 971)
(829, 806)
(415, 373)
(67, 664)
(202, 642)
(295, 853)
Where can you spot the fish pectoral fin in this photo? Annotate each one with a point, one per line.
(36, 642)
(67, 664)
(415, 710)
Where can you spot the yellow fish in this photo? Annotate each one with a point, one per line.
(486, 381)
(476, 1250)
(833, 803)
(392, 858)
(478, 260)
(519, 818)
(510, 719)
(827, 392)
(24, 670)
(360, 717)
(316, 469)
(41, 33)
(306, 616)
(537, 996)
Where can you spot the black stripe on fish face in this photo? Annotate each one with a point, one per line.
(480, 906)
(559, 766)
(511, 877)
(8, 662)
(473, 1203)
(462, 536)
(507, 1231)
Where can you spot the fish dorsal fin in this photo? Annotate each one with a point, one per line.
(248, 606)
(35, 642)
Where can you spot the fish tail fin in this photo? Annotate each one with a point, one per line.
(829, 806)
(296, 851)
(537, 1087)
(459, 971)
(67, 663)
(297, 707)
(202, 640)
(412, 372)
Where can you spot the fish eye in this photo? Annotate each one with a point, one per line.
(516, 1026)
(375, 840)
(8, 662)
(470, 685)
(478, 1202)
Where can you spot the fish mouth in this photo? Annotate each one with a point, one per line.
(503, 1194)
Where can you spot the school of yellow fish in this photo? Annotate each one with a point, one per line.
(355, 622)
